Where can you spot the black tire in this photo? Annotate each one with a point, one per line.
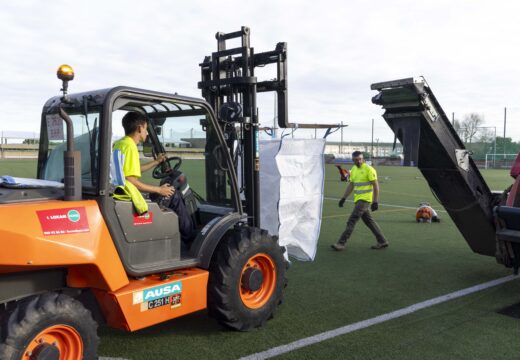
(45, 313)
(226, 271)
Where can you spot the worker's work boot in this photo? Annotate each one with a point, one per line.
(379, 246)
(338, 246)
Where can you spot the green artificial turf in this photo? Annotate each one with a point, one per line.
(18, 167)
(340, 288)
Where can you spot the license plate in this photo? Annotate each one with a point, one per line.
(158, 303)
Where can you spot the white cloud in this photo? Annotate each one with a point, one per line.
(467, 50)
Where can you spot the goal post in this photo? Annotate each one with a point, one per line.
(500, 161)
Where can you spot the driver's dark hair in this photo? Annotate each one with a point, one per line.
(132, 120)
(356, 153)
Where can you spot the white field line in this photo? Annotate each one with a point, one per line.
(387, 205)
(279, 350)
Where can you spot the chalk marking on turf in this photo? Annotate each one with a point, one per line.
(279, 350)
(388, 205)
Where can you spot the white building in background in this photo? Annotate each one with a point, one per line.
(376, 149)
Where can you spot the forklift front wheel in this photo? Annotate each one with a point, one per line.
(246, 279)
(49, 326)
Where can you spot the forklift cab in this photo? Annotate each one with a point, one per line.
(186, 130)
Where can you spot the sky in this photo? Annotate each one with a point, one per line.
(468, 51)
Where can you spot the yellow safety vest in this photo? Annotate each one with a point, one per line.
(131, 167)
(129, 192)
(362, 178)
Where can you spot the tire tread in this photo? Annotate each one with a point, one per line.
(224, 301)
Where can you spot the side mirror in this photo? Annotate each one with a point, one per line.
(148, 147)
(158, 130)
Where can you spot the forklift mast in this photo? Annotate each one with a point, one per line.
(229, 85)
(431, 143)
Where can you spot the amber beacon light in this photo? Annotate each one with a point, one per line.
(65, 72)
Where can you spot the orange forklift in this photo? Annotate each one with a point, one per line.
(71, 253)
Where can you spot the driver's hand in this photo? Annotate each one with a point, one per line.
(166, 190)
(161, 158)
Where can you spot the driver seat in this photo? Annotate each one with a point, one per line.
(148, 239)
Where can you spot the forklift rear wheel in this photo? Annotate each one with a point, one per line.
(49, 326)
(246, 279)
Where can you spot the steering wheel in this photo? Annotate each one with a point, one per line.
(164, 169)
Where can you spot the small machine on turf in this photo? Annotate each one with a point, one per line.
(72, 253)
(489, 222)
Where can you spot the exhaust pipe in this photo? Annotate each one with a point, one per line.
(71, 163)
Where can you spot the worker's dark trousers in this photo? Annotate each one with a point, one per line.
(362, 210)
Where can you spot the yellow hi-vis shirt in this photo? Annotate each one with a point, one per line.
(131, 164)
(361, 179)
(131, 167)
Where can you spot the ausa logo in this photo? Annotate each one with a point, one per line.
(157, 292)
(73, 215)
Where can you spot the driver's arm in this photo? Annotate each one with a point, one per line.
(160, 158)
(163, 190)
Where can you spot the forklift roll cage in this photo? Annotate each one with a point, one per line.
(112, 99)
(154, 105)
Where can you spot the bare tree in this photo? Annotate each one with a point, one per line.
(470, 126)
(461, 130)
(486, 136)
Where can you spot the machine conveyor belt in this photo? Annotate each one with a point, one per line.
(430, 143)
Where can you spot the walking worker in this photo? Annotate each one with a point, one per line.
(363, 181)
